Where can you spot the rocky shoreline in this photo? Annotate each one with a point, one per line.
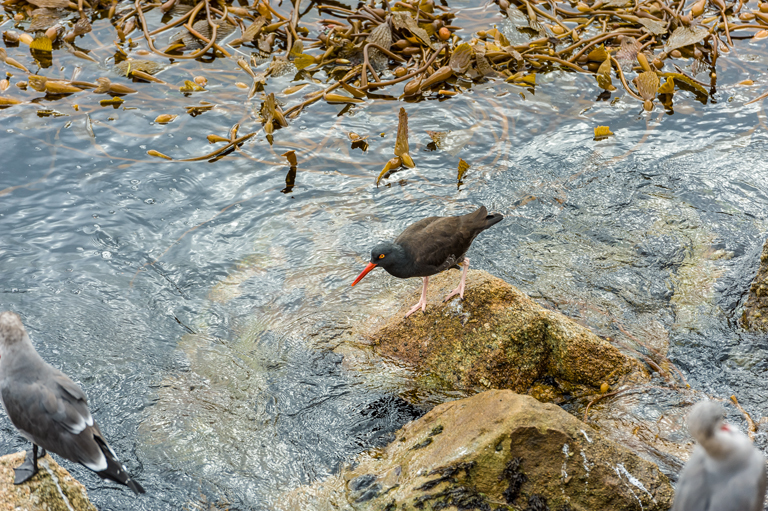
(507, 445)
(494, 450)
(52, 489)
(497, 448)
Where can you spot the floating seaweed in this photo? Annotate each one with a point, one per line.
(413, 50)
(402, 151)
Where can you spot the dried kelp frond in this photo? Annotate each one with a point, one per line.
(453, 141)
(382, 36)
(271, 114)
(401, 144)
(602, 132)
(107, 87)
(599, 54)
(54, 4)
(42, 43)
(190, 86)
(83, 26)
(403, 20)
(693, 84)
(126, 67)
(655, 27)
(604, 76)
(668, 87)
(349, 59)
(685, 36)
(251, 31)
(191, 42)
(647, 85)
(628, 53)
(463, 167)
(45, 18)
(461, 58)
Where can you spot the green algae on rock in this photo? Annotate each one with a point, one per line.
(52, 489)
(498, 337)
(494, 450)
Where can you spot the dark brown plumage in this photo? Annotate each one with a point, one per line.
(430, 246)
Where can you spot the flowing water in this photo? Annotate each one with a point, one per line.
(186, 297)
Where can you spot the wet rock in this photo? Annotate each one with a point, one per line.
(52, 489)
(650, 421)
(497, 337)
(494, 450)
(755, 316)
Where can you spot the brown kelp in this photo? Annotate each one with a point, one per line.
(413, 50)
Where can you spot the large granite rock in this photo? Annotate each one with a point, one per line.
(755, 316)
(497, 337)
(494, 450)
(52, 489)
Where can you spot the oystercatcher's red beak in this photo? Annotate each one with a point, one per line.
(364, 272)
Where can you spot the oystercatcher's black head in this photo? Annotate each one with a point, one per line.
(387, 255)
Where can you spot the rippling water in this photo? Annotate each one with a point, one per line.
(185, 297)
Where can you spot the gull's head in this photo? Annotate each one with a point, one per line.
(12, 331)
(705, 419)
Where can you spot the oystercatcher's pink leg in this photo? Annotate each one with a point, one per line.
(460, 290)
(423, 302)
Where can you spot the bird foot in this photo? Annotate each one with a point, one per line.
(26, 470)
(458, 291)
(421, 305)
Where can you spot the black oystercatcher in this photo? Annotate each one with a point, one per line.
(726, 472)
(50, 410)
(430, 246)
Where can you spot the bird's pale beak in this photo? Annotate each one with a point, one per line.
(364, 272)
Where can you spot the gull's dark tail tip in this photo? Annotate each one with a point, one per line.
(136, 487)
(115, 470)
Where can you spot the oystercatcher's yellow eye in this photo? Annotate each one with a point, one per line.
(381, 256)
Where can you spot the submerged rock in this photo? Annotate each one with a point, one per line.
(494, 450)
(497, 337)
(755, 316)
(52, 488)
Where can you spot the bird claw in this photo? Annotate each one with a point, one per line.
(26, 470)
(420, 305)
(453, 293)
(460, 288)
(457, 291)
